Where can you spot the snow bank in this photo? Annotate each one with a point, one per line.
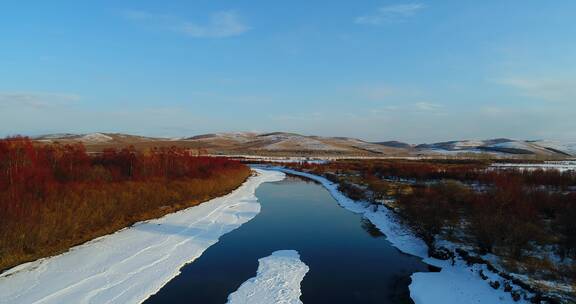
(134, 263)
(561, 166)
(456, 283)
(277, 281)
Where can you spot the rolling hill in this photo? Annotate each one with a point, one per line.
(291, 144)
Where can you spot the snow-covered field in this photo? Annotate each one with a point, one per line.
(134, 263)
(95, 138)
(300, 143)
(562, 166)
(312, 159)
(456, 283)
(287, 159)
(277, 281)
(564, 146)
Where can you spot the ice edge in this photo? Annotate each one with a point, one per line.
(456, 283)
(277, 280)
(136, 262)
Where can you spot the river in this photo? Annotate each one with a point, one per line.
(350, 261)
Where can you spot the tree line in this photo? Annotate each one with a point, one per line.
(511, 212)
(55, 196)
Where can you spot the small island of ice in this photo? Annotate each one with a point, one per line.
(277, 281)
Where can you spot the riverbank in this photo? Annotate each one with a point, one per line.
(348, 258)
(134, 263)
(455, 283)
(156, 200)
(54, 197)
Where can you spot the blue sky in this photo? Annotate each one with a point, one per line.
(418, 71)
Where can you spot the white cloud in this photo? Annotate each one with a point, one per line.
(391, 13)
(428, 106)
(547, 89)
(409, 108)
(36, 100)
(220, 24)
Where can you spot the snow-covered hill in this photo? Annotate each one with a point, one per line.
(565, 147)
(93, 138)
(500, 146)
(290, 143)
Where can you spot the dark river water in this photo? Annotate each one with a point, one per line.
(350, 261)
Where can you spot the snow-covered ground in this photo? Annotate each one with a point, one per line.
(134, 263)
(456, 283)
(464, 144)
(279, 159)
(312, 159)
(277, 281)
(568, 147)
(95, 138)
(299, 143)
(518, 145)
(444, 152)
(562, 166)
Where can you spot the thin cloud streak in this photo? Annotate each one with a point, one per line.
(36, 100)
(221, 24)
(428, 106)
(547, 89)
(413, 108)
(391, 13)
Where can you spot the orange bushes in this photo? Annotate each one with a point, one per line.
(429, 210)
(510, 215)
(53, 197)
(464, 170)
(504, 210)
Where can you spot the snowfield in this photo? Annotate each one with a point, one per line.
(277, 281)
(561, 166)
(566, 147)
(96, 138)
(456, 283)
(299, 143)
(134, 263)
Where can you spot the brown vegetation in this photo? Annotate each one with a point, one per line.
(55, 196)
(509, 212)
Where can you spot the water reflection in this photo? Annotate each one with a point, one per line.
(349, 260)
(372, 230)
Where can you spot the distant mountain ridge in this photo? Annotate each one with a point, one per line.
(500, 146)
(93, 138)
(395, 144)
(292, 143)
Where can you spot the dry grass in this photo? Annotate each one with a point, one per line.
(86, 212)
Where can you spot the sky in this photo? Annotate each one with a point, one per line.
(421, 71)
